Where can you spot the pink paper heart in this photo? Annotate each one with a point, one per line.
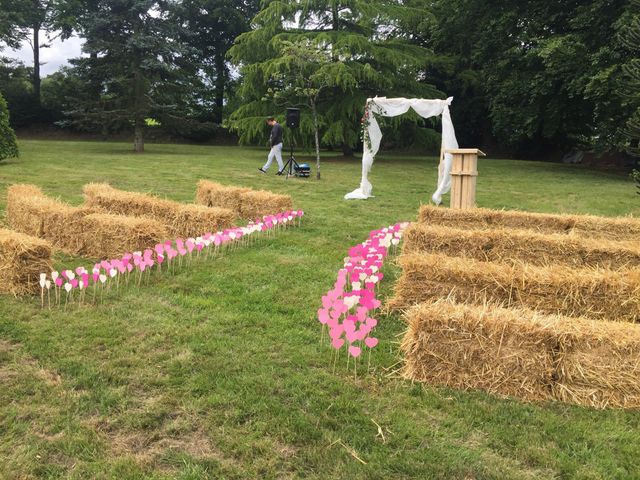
(323, 316)
(371, 342)
(337, 343)
(355, 351)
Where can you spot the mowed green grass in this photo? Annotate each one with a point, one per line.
(217, 371)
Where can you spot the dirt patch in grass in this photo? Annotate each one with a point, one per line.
(154, 448)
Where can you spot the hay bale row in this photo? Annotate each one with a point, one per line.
(246, 203)
(22, 259)
(507, 245)
(589, 226)
(180, 219)
(78, 230)
(524, 354)
(590, 293)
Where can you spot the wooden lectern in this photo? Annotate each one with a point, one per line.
(464, 170)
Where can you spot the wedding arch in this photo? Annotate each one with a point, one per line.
(392, 107)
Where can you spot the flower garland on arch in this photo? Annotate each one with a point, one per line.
(365, 121)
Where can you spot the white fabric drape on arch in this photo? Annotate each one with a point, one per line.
(392, 107)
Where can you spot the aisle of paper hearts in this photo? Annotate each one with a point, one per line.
(348, 308)
(84, 286)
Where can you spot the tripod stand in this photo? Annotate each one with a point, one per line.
(291, 165)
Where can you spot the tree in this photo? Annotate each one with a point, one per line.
(536, 76)
(8, 143)
(210, 27)
(24, 20)
(299, 75)
(369, 59)
(630, 80)
(134, 59)
(16, 86)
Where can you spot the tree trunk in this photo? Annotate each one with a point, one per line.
(221, 78)
(347, 151)
(139, 113)
(138, 136)
(36, 64)
(315, 131)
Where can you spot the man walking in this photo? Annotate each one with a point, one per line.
(276, 146)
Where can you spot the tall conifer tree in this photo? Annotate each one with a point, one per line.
(370, 56)
(135, 61)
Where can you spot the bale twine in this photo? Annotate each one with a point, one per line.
(179, 219)
(22, 259)
(592, 293)
(505, 245)
(521, 353)
(245, 202)
(616, 228)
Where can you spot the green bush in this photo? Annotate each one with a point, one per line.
(8, 143)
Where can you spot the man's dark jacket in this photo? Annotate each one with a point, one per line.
(276, 134)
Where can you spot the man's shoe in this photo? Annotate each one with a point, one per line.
(262, 170)
(280, 172)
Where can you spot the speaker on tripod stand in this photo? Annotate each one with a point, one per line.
(292, 167)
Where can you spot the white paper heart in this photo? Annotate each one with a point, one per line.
(356, 286)
(70, 275)
(67, 287)
(54, 275)
(351, 301)
(113, 272)
(103, 278)
(47, 284)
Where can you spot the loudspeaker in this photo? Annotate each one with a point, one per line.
(293, 117)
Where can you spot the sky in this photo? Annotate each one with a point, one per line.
(51, 59)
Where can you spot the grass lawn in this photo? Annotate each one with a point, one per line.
(217, 371)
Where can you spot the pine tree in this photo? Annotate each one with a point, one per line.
(369, 54)
(8, 144)
(630, 83)
(210, 27)
(134, 65)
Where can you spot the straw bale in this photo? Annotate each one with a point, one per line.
(612, 228)
(109, 235)
(22, 259)
(591, 293)
(500, 351)
(194, 220)
(247, 203)
(79, 230)
(599, 364)
(504, 245)
(30, 211)
(212, 194)
(258, 203)
(522, 353)
(180, 219)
